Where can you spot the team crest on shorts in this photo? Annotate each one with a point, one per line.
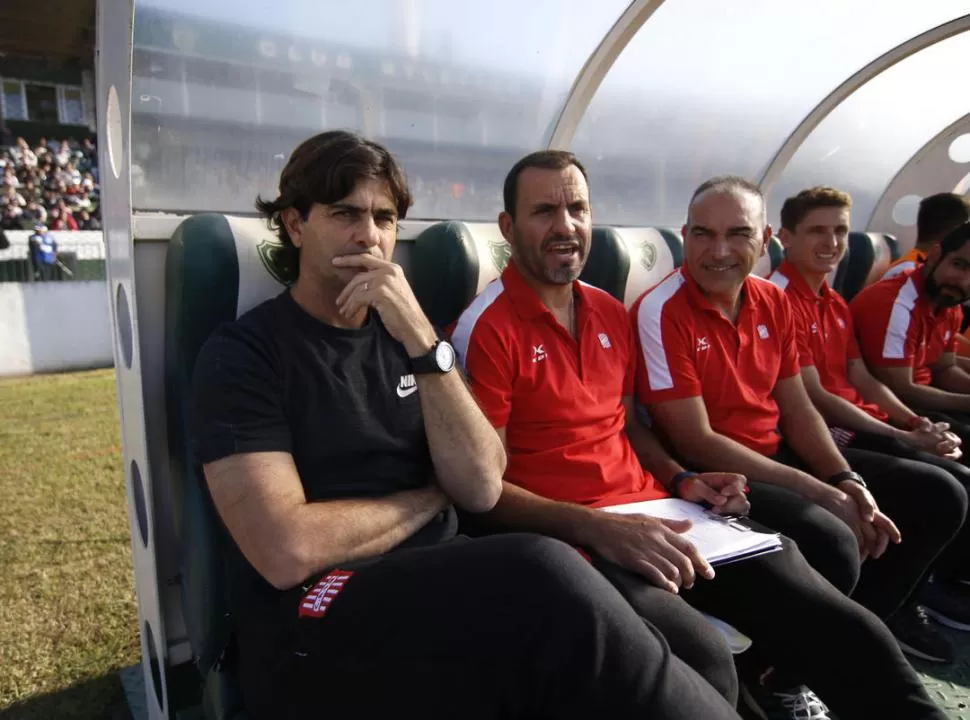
(318, 599)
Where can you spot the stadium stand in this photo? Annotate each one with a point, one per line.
(54, 183)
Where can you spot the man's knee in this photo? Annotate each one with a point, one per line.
(950, 494)
(530, 552)
(941, 496)
(707, 653)
(550, 567)
(833, 550)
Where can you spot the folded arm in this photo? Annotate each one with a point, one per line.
(260, 499)
(468, 456)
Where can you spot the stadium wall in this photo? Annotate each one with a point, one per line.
(54, 326)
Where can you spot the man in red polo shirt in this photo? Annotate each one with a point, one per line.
(551, 361)
(909, 334)
(720, 376)
(938, 215)
(861, 412)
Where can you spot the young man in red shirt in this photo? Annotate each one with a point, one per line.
(860, 411)
(720, 376)
(552, 361)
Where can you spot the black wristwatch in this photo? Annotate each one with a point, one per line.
(440, 359)
(846, 475)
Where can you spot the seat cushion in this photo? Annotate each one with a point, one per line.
(870, 255)
(625, 262)
(217, 267)
(451, 262)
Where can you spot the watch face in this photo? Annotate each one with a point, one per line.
(444, 356)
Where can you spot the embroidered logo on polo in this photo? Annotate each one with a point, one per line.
(407, 386)
(316, 602)
(703, 344)
(814, 329)
(538, 353)
(605, 341)
(763, 332)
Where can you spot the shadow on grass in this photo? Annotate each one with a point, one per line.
(101, 698)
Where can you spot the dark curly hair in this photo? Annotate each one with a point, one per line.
(324, 169)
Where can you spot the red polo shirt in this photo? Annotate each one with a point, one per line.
(559, 400)
(897, 326)
(688, 348)
(824, 334)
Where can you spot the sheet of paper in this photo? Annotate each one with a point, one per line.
(718, 539)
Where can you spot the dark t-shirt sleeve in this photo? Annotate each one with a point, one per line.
(238, 399)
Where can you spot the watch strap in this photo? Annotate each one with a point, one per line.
(426, 363)
(850, 475)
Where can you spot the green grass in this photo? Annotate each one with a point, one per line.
(68, 615)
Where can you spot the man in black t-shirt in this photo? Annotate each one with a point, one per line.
(335, 438)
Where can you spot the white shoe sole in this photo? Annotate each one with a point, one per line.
(944, 620)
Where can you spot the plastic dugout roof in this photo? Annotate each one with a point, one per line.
(654, 96)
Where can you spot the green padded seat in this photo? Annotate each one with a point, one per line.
(626, 261)
(217, 268)
(451, 262)
(870, 255)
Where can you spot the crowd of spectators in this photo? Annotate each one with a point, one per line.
(54, 184)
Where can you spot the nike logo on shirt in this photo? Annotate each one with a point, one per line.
(407, 386)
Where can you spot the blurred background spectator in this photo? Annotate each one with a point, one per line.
(55, 183)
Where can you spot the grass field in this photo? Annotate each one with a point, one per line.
(67, 602)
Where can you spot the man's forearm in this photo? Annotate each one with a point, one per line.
(651, 453)
(931, 398)
(839, 412)
(323, 535)
(807, 434)
(468, 456)
(953, 379)
(717, 453)
(886, 400)
(522, 511)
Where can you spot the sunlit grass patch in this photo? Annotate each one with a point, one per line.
(67, 592)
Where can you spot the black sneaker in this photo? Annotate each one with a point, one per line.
(947, 603)
(796, 703)
(917, 637)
